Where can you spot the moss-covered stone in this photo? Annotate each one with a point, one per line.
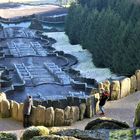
(54, 137)
(34, 131)
(10, 136)
(137, 116)
(121, 135)
(106, 123)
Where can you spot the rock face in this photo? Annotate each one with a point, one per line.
(5, 108)
(106, 123)
(35, 24)
(49, 117)
(137, 116)
(125, 87)
(115, 90)
(59, 117)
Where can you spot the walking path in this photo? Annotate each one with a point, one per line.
(123, 109)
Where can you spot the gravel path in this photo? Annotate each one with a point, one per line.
(122, 109)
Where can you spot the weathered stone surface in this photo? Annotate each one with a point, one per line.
(49, 117)
(67, 115)
(30, 132)
(59, 117)
(85, 134)
(97, 100)
(106, 123)
(115, 90)
(121, 134)
(76, 112)
(100, 86)
(33, 115)
(41, 115)
(89, 110)
(106, 85)
(54, 137)
(138, 79)
(82, 111)
(137, 116)
(125, 87)
(2, 97)
(14, 109)
(5, 108)
(133, 84)
(20, 112)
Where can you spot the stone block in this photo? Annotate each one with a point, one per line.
(96, 102)
(106, 85)
(14, 109)
(68, 116)
(137, 73)
(2, 97)
(59, 117)
(49, 117)
(76, 112)
(20, 112)
(115, 90)
(5, 109)
(89, 109)
(133, 84)
(40, 116)
(125, 87)
(82, 108)
(33, 115)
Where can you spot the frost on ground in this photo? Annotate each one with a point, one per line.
(85, 65)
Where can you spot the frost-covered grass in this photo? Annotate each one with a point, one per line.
(85, 65)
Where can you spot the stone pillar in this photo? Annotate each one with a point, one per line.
(89, 110)
(76, 113)
(68, 117)
(49, 117)
(115, 90)
(106, 85)
(100, 86)
(5, 109)
(82, 111)
(97, 100)
(20, 112)
(14, 109)
(40, 116)
(138, 79)
(125, 87)
(33, 115)
(59, 117)
(2, 97)
(133, 84)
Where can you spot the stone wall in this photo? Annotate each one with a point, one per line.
(50, 116)
(120, 88)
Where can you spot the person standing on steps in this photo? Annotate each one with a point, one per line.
(103, 98)
(28, 103)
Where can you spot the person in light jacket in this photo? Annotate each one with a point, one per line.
(28, 103)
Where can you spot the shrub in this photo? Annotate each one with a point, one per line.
(8, 136)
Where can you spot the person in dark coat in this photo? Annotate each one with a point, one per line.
(28, 103)
(103, 99)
